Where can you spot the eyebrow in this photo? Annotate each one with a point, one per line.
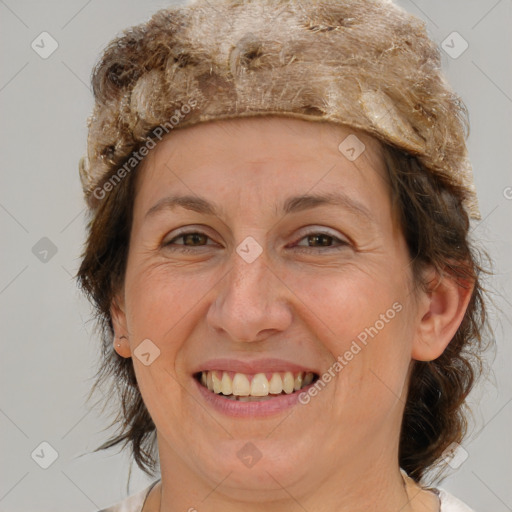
(291, 205)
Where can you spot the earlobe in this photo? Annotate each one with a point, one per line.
(121, 338)
(440, 313)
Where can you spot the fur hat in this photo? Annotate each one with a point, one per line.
(366, 64)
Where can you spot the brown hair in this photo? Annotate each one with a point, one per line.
(436, 229)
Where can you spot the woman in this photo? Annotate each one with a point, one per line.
(278, 253)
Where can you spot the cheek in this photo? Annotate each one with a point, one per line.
(364, 320)
(159, 300)
(165, 307)
(345, 304)
(158, 305)
(375, 363)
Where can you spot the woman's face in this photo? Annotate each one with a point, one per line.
(234, 268)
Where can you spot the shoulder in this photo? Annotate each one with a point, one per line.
(450, 503)
(133, 503)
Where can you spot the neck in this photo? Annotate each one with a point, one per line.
(366, 492)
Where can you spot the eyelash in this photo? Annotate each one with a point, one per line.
(186, 249)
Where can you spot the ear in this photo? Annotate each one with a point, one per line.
(121, 339)
(440, 312)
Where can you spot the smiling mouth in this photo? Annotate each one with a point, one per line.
(257, 387)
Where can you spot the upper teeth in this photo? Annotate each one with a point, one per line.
(243, 384)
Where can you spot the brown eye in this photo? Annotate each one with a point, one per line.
(192, 238)
(317, 240)
(189, 240)
(320, 239)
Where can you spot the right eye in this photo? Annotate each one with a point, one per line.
(193, 237)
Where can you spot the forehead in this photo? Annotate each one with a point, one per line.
(277, 153)
(277, 132)
(280, 135)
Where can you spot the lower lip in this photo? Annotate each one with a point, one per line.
(264, 408)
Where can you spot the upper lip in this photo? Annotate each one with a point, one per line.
(252, 367)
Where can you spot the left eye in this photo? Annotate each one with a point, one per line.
(323, 239)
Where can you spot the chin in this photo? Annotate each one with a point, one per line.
(255, 471)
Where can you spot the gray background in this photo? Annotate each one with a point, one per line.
(48, 349)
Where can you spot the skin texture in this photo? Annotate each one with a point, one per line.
(300, 300)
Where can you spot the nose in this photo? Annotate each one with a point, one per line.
(251, 302)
